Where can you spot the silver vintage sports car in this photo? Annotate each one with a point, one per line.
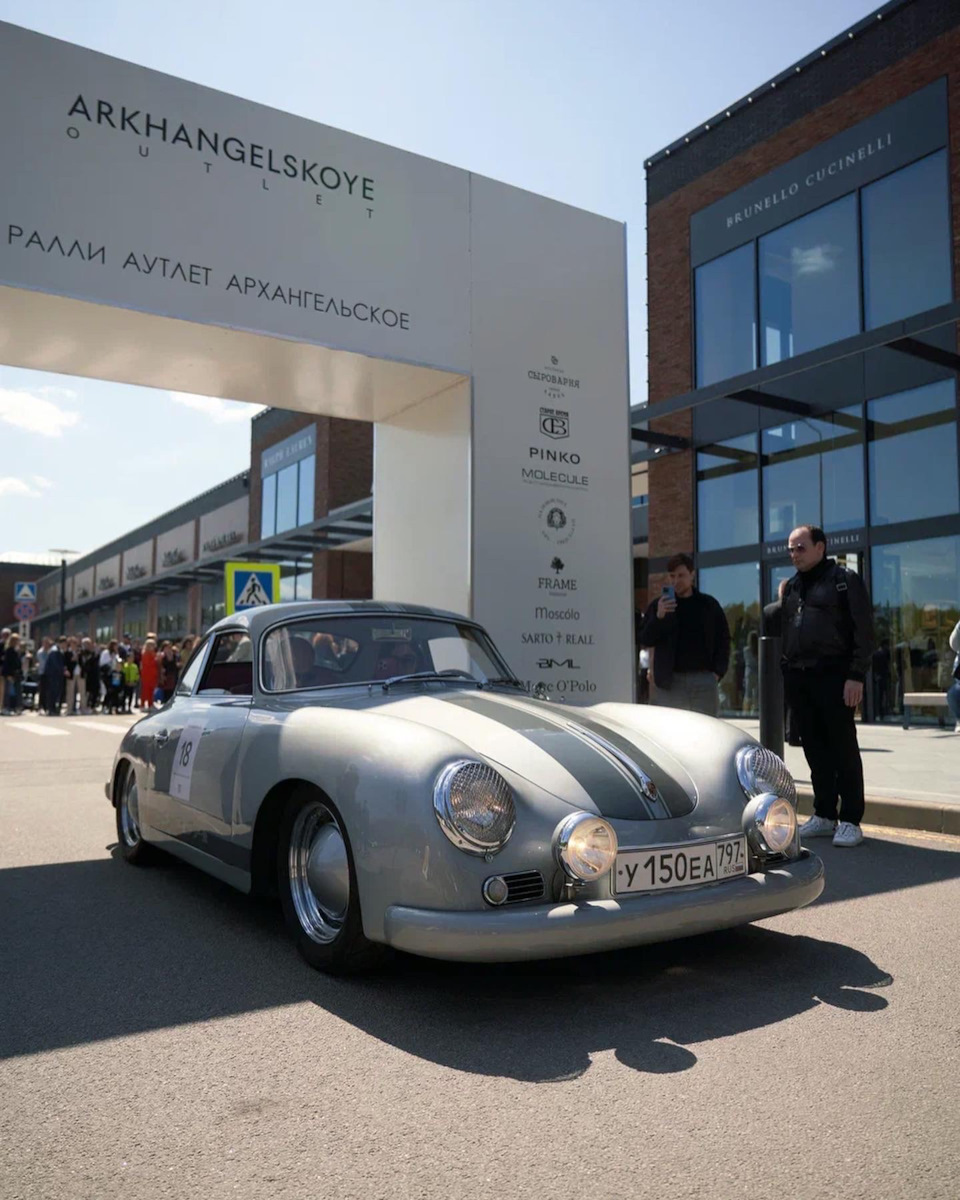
(380, 768)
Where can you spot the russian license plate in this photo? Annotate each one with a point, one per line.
(660, 868)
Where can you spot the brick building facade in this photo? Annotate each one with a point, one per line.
(863, 74)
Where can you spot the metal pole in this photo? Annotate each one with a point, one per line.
(771, 695)
(63, 595)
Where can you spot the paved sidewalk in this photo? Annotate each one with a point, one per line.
(911, 776)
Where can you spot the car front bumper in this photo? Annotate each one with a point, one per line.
(590, 926)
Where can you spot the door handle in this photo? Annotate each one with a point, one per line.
(161, 738)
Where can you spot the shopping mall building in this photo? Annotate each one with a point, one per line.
(803, 252)
(304, 495)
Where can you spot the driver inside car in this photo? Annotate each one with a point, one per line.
(397, 658)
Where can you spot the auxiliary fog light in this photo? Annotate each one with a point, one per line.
(586, 846)
(770, 823)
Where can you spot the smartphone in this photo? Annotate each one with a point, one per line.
(667, 592)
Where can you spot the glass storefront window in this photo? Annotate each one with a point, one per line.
(305, 488)
(287, 498)
(726, 316)
(906, 242)
(105, 629)
(213, 604)
(296, 580)
(268, 507)
(727, 494)
(737, 589)
(913, 454)
(135, 619)
(916, 604)
(813, 472)
(809, 282)
(172, 614)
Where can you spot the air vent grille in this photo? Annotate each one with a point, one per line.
(523, 885)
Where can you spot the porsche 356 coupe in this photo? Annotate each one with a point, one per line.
(379, 767)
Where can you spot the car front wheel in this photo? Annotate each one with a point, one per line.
(317, 885)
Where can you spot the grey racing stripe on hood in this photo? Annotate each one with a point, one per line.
(602, 763)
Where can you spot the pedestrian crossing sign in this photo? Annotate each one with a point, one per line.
(24, 592)
(250, 585)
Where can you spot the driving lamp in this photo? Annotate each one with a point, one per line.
(770, 823)
(474, 805)
(586, 846)
(762, 772)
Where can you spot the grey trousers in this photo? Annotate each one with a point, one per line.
(696, 691)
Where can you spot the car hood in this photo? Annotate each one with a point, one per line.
(587, 759)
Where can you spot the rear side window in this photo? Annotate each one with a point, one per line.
(230, 666)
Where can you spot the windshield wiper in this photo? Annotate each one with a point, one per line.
(452, 676)
(507, 680)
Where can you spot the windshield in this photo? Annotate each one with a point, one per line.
(316, 652)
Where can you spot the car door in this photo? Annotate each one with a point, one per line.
(197, 766)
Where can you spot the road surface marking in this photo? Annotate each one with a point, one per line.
(104, 726)
(28, 727)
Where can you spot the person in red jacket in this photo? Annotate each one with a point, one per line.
(148, 673)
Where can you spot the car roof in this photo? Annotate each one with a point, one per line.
(255, 620)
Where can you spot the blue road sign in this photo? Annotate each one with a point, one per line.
(24, 591)
(250, 585)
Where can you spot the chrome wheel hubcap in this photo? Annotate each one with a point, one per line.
(319, 873)
(130, 811)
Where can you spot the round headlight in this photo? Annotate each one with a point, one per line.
(474, 805)
(770, 823)
(760, 772)
(586, 846)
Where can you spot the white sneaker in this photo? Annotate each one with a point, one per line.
(848, 834)
(956, 728)
(818, 827)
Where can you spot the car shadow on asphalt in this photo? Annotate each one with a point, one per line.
(99, 949)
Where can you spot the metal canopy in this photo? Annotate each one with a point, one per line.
(349, 523)
(796, 386)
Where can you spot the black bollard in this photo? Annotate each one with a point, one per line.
(771, 695)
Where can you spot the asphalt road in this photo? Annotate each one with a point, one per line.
(160, 1037)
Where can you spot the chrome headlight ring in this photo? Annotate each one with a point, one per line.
(474, 806)
(770, 824)
(762, 772)
(585, 846)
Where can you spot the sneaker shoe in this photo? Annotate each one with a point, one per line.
(818, 827)
(956, 728)
(848, 834)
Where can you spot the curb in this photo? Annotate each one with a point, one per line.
(923, 815)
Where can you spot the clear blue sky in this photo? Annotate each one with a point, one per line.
(562, 97)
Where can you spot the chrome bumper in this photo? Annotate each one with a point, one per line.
(590, 926)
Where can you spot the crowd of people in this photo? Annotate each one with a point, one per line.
(69, 675)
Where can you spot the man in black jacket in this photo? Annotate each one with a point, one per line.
(827, 628)
(691, 641)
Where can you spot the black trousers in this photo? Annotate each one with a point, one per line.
(829, 736)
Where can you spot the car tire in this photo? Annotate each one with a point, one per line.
(133, 848)
(316, 881)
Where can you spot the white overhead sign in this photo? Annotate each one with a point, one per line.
(189, 202)
(174, 213)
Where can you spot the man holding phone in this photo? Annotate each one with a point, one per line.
(691, 639)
